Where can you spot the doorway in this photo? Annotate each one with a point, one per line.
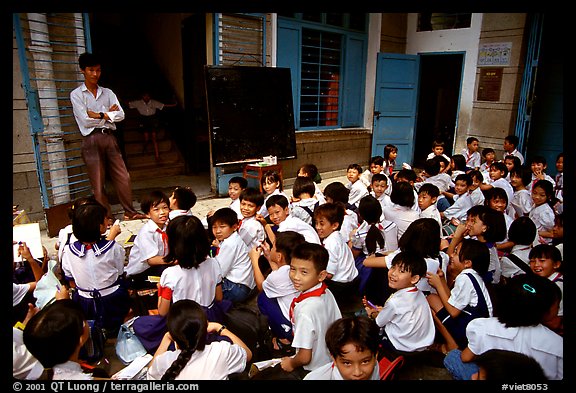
(437, 114)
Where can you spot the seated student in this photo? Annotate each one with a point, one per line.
(441, 180)
(475, 191)
(23, 291)
(336, 192)
(401, 212)
(311, 171)
(232, 256)
(249, 228)
(543, 214)
(279, 214)
(353, 345)
(54, 336)
(427, 197)
(356, 187)
(510, 147)
(311, 312)
(453, 308)
(151, 244)
(507, 366)
(379, 186)
(489, 156)
(303, 201)
(497, 200)
(538, 166)
(521, 203)
(512, 163)
(65, 235)
(376, 165)
(457, 166)
(271, 183)
(471, 154)
(95, 265)
(498, 173)
(457, 212)
(182, 201)
(521, 234)
(276, 289)
(406, 316)
(195, 358)
(236, 185)
(438, 149)
(526, 301)
(194, 276)
(409, 176)
(341, 273)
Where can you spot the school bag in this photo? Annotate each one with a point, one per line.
(251, 326)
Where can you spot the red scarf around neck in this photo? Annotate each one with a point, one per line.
(305, 295)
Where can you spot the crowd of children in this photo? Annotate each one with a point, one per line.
(444, 259)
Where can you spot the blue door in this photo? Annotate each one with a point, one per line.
(395, 105)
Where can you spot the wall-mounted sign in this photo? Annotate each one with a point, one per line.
(494, 54)
(489, 84)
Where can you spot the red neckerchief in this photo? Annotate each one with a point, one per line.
(468, 156)
(305, 295)
(239, 223)
(164, 238)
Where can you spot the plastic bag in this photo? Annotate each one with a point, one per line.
(128, 346)
(47, 286)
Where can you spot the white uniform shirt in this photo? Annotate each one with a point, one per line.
(522, 203)
(505, 184)
(389, 231)
(63, 239)
(459, 208)
(252, 232)
(198, 284)
(178, 212)
(402, 216)
(543, 217)
(298, 209)
(473, 160)
(146, 108)
(558, 279)
(432, 265)
(70, 370)
(463, 293)
(264, 210)
(312, 317)
(83, 100)
(234, 261)
(509, 268)
(278, 285)
(217, 361)
(477, 197)
(407, 320)
(516, 153)
(329, 372)
(297, 225)
(341, 260)
(349, 224)
(19, 291)
(148, 244)
(235, 205)
(539, 342)
(432, 212)
(357, 191)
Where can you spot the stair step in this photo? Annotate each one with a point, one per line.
(156, 171)
(136, 148)
(132, 134)
(137, 161)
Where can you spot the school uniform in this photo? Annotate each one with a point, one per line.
(70, 370)
(509, 268)
(432, 212)
(65, 236)
(385, 201)
(366, 177)
(198, 284)
(539, 342)
(407, 320)
(149, 243)
(402, 216)
(559, 187)
(473, 160)
(442, 180)
(495, 267)
(505, 184)
(234, 261)
(251, 231)
(235, 205)
(341, 261)
(216, 361)
(19, 292)
(432, 155)
(522, 203)
(97, 270)
(459, 209)
(318, 194)
(304, 209)
(297, 225)
(432, 266)
(178, 212)
(389, 231)
(357, 191)
(264, 210)
(274, 301)
(543, 217)
(329, 372)
(24, 365)
(558, 279)
(311, 317)
(349, 224)
(535, 179)
(477, 196)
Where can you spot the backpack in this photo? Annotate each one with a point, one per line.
(311, 212)
(251, 326)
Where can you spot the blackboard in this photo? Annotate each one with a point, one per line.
(250, 113)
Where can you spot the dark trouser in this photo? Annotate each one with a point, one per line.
(101, 153)
(280, 326)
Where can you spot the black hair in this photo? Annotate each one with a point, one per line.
(186, 321)
(471, 139)
(402, 194)
(310, 171)
(538, 159)
(432, 166)
(333, 212)
(87, 220)
(547, 251)
(466, 178)
(185, 197)
(515, 161)
(337, 191)
(487, 150)
(387, 150)
(494, 221)
(503, 365)
(88, 59)
(277, 199)
(422, 237)
(548, 189)
(286, 241)
(477, 252)
(411, 262)
(406, 174)
(500, 166)
(357, 167)
(476, 173)
(522, 172)
(79, 202)
(272, 177)
(495, 193)
(459, 162)
(431, 189)
(512, 139)
(154, 198)
(314, 253)
(225, 215)
(377, 160)
(188, 242)
(242, 182)
(370, 210)
(358, 330)
(377, 177)
(438, 142)
(522, 231)
(253, 195)
(303, 185)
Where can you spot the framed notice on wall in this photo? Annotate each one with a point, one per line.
(490, 84)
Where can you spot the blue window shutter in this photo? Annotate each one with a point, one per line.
(288, 56)
(353, 83)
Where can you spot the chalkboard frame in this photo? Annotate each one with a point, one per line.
(250, 113)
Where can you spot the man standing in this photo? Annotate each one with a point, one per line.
(96, 110)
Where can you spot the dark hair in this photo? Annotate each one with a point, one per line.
(357, 167)
(547, 251)
(377, 160)
(87, 220)
(88, 59)
(441, 159)
(253, 195)
(515, 161)
(471, 139)
(512, 139)
(377, 177)
(242, 182)
(432, 166)
(538, 160)
(495, 193)
(477, 253)
(466, 178)
(272, 177)
(314, 253)
(487, 150)
(79, 202)
(154, 198)
(286, 241)
(303, 185)
(406, 174)
(387, 150)
(311, 171)
(522, 231)
(500, 166)
(411, 262)
(402, 194)
(459, 162)
(53, 333)
(337, 191)
(188, 242)
(437, 143)
(494, 221)
(333, 212)
(503, 365)
(526, 299)
(546, 186)
(422, 237)
(358, 330)
(431, 189)
(277, 199)
(476, 173)
(225, 215)
(185, 197)
(186, 321)
(522, 172)
(370, 210)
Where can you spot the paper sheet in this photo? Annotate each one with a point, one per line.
(30, 234)
(131, 370)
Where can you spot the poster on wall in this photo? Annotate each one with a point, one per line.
(494, 54)
(490, 84)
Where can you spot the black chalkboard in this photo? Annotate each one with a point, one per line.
(250, 113)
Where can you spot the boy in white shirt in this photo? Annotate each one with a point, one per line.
(471, 154)
(356, 187)
(337, 192)
(249, 228)
(476, 193)
(441, 180)
(376, 165)
(379, 187)
(462, 201)
(182, 201)
(427, 197)
(498, 173)
(510, 145)
(303, 200)
(232, 256)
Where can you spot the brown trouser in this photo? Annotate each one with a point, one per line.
(101, 153)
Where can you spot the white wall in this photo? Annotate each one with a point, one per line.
(457, 40)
